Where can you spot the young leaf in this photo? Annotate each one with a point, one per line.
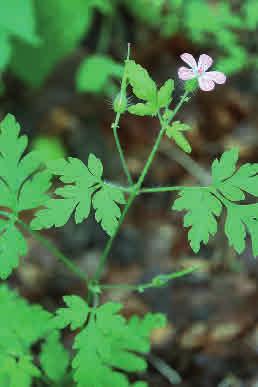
(165, 93)
(175, 131)
(54, 358)
(143, 86)
(143, 109)
(202, 207)
(107, 211)
(108, 345)
(242, 218)
(75, 314)
(231, 183)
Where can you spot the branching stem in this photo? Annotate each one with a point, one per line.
(137, 187)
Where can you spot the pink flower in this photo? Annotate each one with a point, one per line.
(206, 79)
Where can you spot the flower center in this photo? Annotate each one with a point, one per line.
(200, 70)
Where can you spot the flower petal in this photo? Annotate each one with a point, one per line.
(204, 62)
(185, 74)
(216, 76)
(205, 83)
(189, 59)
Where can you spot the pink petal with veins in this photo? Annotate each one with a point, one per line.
(216, 76)
(185, 74)
(189, 59)
(205, 83)
(204, 62)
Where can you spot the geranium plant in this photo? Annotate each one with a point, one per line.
(106, 345)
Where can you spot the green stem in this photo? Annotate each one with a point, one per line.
(57, 253)
(115, 125)
(148, 285)
(137, 187)
(168, 189)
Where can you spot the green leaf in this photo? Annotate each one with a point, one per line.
(33, 64)
(107, 211)
(75, 313)
(143, 86)
(22, 372)
(12, 246)
(240, 219)
(143, 109)
(225, 167)
(75, 196)
(165, 93)
(28, 324)
(22, 29)
(231, 183)
(54, 358)
(108, 345)
(105, 68)
(202, 207)
(175, 131)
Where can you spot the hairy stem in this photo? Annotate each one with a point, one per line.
(137, 186)
(115, 125)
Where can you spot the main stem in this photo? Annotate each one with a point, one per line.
(137, 186)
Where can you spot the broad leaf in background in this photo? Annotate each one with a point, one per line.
(105, 68)
(60, 26)
(17, 20)
(202, 209)
(21, 326)
(175, 132)
(23, 186)
(54, 358)
(232, 183)
(109, 344)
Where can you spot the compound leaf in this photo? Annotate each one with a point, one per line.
(28, 325)
(231, 183)
(107, 211)
(75, 196)
(108, 345)
(202, 207)
(54, 358)
(75, 313)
